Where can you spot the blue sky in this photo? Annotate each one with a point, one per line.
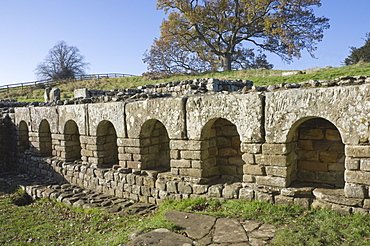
(114, 34)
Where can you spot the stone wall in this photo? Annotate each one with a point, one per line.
(8, 144)
(307, 146)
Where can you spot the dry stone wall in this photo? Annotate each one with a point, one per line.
(300, 145)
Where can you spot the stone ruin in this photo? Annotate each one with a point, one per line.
(305, 144)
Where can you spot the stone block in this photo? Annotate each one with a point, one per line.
(128, 142)
(328, 156)
(279, 171)
(215, 191)
(171, 186)
(307, 133)
(272, 181)
(357, 151)
(174, 154)
(134, 164)
(354, 190)
(251, 148)
(191, 172)
(344, 210)
(181, 163)
(200, 189)
(184, 188)
(246, 194)
(352, 163)
(357, 177)
(308, 155)
(264, 197)
(274, 160)
(332, 135)
(254, 169)
(248, 158)
(160, 184)
(336, 196)
(304, 144)
(248, 178)
(185, 144)
(366, 204)
(303, 202)
(365, 164)
(231, 191)
(276, 149)
(283, 200)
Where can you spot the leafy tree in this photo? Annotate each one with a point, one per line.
(62, 62)
(361, 54)
(221, 28)
(166, 56)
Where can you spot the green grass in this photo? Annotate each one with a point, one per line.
(259, 77)
(51, 223)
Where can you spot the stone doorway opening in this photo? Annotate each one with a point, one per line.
(72, 141)
(154, 146)
(45, 147)
(24, 143)
(107, 149)
(320, 154)
(221, 155)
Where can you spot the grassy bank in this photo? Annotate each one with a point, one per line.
(259, 77)
(51, 223)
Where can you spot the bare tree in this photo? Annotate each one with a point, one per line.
(62, 62)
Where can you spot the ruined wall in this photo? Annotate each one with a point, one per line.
(8, 143)
(307, 146)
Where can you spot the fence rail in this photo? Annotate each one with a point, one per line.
(78, 77)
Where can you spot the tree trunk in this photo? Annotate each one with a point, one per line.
(226, 62)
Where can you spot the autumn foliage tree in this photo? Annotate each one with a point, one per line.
(62, 62)
(229, 32)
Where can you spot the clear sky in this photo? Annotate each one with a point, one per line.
(114, 34)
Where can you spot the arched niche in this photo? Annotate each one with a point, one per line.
(154, 146)
(221, 155)
(72, 141)
(45, 144)
(107, 144)
(319, 153)
(23, 134)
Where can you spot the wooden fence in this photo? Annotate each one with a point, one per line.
(78, 77)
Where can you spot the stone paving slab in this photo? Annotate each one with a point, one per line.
(219, 231)
(196, 226)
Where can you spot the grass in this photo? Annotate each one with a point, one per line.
(259, 77)
(51, 223)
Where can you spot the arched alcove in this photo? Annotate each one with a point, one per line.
(107, 144)
(24, 143)
(319, 153)
(45, 145)
(154, 146)
(72, 141)
(221, 155)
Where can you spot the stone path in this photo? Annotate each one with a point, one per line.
(200, 230)
(193, 229)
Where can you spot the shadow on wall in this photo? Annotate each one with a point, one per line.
(319, 153)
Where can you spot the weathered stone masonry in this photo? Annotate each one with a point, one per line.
(301, 146)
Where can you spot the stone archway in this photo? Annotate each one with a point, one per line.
(154, 146)
(221, 155)
(72, 141)
(24, 143)
(107, 149)
(320, 153)
(45, 144)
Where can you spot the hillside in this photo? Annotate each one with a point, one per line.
(259, 77)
